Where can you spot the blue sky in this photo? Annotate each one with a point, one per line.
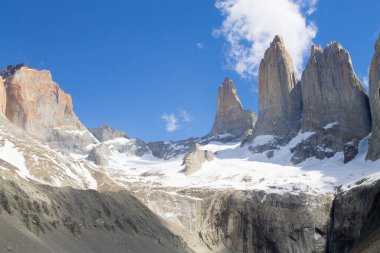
(135, 63)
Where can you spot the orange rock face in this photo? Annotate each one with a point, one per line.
(39, 106)
(3, 97)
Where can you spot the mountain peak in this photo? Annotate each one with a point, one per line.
(279, 96)
(230, 115)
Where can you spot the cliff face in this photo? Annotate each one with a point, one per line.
(355, 219)
(245, 221)
(280, 102)
(374, 90)
(39, 106)
(331, 92)
(335, 105)
(230, 116)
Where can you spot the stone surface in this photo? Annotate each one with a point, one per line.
(106, 133)
(38, 218)
(39, 106)
(280, 102)
(194, 160)
(335, 104)
(374, 98)
(350, 150)
(245, 221)
(355, 216)
(231, 118)
(3, 97)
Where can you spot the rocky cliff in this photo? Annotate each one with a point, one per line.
(38, 105)
(335, 104)
(231, 118)
(374, 91)
(280, 102)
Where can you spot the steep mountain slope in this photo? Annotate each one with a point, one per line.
(36, 218)
(37, 104)
(374, 86)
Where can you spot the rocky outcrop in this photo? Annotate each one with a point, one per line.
(335, 104)
(374, 99)
(231, 118)
(229, 220)
(106, 133)
(280, 102)
(355, 219)
(37, 218)
(194, 160)
(39, 106)
(3, 97)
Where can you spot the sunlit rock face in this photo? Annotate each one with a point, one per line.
(335, 104)
(39, 106)
(374, 91)
(280, 102)
(231, 118)
(3, 97)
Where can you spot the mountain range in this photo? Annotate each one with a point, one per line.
(301, 176)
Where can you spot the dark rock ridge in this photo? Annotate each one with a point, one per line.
(374, 91)
(280, 102)
(355, 220)
(37, 218)
(335, 104)
(231, 118)
(106, 133)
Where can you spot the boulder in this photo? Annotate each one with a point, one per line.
(194, 160)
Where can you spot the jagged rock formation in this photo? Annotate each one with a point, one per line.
(231, 118)
(194, 160)
(335, 104)
(106, 133)
(374, 99)
(280, 102)
(38, 105)
(38, 218)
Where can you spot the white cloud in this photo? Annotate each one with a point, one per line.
(171, 122)
(185, 116)
(200, 45)
(365, 82)
(250, 25)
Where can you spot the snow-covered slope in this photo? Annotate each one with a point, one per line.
(23, 156)
(237, 167)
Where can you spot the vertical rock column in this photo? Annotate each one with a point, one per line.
(374, 99)
(230, 115)
(280, 102)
